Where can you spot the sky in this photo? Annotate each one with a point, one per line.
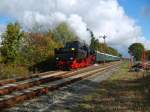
(140, 11)
(122, 21)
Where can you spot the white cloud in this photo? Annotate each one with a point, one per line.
(80, 28)
(102, 16)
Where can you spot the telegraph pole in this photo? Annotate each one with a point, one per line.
(104, 37)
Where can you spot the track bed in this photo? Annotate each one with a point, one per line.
(17, 91)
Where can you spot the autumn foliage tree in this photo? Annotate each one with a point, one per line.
(11, 42)
(63, 34)
(10, 51)
(136, 50)
(39, 47)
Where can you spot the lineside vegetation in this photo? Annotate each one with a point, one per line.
(23, 52)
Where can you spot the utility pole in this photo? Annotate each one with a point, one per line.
(104, 37)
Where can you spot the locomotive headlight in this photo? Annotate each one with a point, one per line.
(71, 58)
(57, 58)
(72, 49)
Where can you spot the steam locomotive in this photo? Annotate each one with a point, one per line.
(77, 55)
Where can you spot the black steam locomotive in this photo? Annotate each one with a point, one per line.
(74, 55)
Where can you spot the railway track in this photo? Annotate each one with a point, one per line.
(17, 90)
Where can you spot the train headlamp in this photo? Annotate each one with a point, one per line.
(72, 49)
(57, 58)
(71, 58)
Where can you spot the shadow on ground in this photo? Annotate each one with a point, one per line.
(119, 95)
(108, 96)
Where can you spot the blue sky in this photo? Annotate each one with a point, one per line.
(133, 8)
(4, 20)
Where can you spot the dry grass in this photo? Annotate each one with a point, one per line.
(123, 92)
(12, 71)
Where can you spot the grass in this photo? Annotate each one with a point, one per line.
(12, 71)
(123, 92)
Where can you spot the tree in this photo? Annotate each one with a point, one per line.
(148, 55)
(136, 49)
(102, 48)
(39, 47)
(63, 34)
(120, 55)
(113, 51)
(11, 42)
(94, 42)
